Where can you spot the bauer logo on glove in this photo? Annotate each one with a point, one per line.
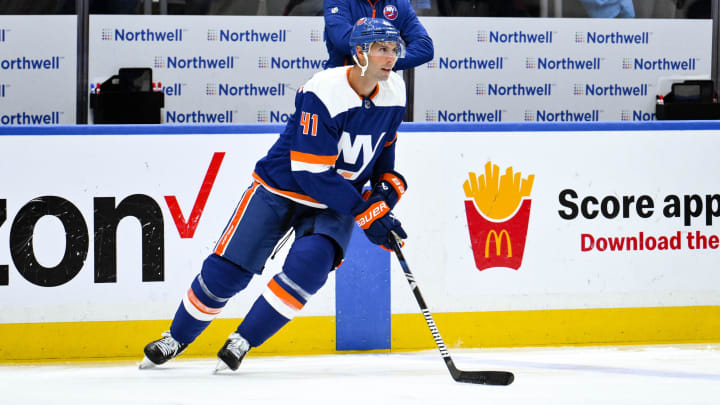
(376, 219)
(374, 212)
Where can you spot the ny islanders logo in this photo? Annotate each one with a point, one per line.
(498, 209)
(390, 12)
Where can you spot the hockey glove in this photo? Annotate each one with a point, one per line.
(390, 187)
(376, 219)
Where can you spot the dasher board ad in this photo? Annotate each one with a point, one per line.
(115, 227)
(557, 220)
(38, 69)
(115, 224)
(556, 70)
(212, 69)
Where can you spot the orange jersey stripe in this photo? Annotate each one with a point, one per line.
(200, 306)
(289, 194)
(284, 296)
(314, 159)
(375, 92)
(222, 244)
(347, 73)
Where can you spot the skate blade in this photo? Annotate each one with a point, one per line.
(146, 364)
(221, 366)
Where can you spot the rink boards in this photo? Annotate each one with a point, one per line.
(613, 240)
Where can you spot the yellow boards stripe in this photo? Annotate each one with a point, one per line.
(316, 335)
(126, 339)
(614, 326)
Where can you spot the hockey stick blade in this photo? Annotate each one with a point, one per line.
(484, 377)
(472, 377)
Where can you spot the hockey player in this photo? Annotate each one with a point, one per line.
(342, 135)
(340, 15)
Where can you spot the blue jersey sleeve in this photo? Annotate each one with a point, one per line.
(338, 25)
(420, 48)
(385, 163)
(313, 154)
(386, 160)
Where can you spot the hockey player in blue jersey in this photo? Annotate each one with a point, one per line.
(341, 136)
(340, 15)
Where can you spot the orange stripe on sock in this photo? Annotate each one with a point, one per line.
(200, 306)
(222, 244)
(284, 296)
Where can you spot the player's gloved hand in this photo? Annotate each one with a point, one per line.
(390, 187)
(376, 219)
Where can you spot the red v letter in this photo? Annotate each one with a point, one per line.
(187, 229)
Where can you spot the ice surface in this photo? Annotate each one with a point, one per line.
(677, 374)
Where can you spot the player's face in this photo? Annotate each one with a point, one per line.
(381, 59)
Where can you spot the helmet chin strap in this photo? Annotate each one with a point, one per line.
(362, 68)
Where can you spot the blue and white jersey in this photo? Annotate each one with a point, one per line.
(334, 142)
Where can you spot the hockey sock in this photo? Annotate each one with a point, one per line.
(305, 270)
(218, 281)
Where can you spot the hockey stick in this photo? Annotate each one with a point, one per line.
(473, 377)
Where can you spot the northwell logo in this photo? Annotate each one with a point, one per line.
(563, 64)
(636, 115)
(463, 116)
(588, 89)
(264, 116)
(467, 64)
(244, 90)
(141, 35)
(199, 117)
(194, 63)
(23, 118)
(247, 36)
(498, 211)
(316, 35)
(562, 116)
(688, 64)
(517, 37)
(303, 63)
(3, 89)
(612, 38)
(25, 63)
(518, 89)
(3, 33)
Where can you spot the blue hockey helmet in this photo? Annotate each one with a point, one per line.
(369, 30)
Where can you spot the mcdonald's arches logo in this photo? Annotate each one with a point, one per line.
(498, 242)
(498, 212)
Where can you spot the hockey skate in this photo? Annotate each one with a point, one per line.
(161, 350)
(232, 352)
